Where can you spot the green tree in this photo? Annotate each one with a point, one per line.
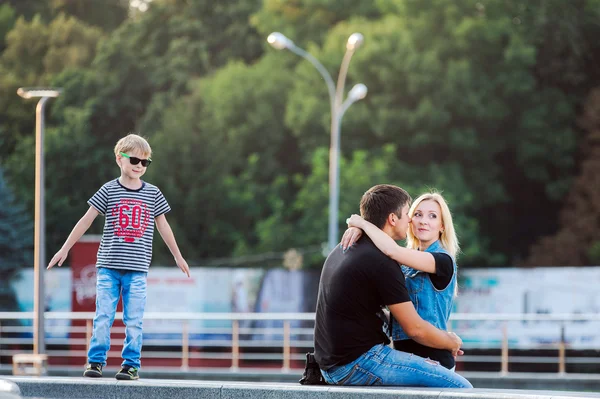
(576, 241)
(138, 72)
(306, 21)
(477, 99)
(7, 21)
(16, 243)
(211, 136)
(302, 222)
(105, 14)
(29, 8)
(594, 253)
(35, 53)
(456, 85)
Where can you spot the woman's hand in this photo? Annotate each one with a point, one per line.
(355, 221)
(351, 235)
(354, 232)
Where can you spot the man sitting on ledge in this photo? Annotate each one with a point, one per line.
(350, 345)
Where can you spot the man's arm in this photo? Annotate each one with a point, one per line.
(80, 228)
(422, 331)
(164, 228)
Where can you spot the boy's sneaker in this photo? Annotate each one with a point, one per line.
(127, 373)
(93, 370)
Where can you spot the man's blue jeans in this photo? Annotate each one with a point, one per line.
(110, 284)
(382, 365)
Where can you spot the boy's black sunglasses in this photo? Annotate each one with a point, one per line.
(135, 160)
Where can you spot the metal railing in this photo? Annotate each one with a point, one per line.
(274, 340)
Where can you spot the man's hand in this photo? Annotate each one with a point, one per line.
(457, 344)
(182, 264)
(59, 257)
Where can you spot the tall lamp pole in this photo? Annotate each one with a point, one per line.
(338, 108)
(44, 94)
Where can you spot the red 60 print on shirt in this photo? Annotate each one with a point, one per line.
(133, 217)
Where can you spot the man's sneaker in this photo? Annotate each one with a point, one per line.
(127, 373)
(93, 370)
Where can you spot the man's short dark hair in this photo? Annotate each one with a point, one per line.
(381, 200)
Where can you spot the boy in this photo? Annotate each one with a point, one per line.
(131, 207)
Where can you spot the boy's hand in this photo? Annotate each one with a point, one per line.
(59, 257)
(182, 264)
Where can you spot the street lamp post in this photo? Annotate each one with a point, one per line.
(338, 108)
(44, 94)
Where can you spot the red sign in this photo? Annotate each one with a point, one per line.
(82, 258)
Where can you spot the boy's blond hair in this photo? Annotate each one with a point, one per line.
(133, 142)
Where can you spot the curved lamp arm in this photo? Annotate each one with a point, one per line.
(279, 41)
(322, 70)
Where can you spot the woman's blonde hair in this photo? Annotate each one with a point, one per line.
(133, 142)
(447, 237)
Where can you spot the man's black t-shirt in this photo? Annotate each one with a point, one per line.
(353, 288)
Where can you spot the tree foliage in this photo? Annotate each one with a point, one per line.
(16, 243)
(576, 242)
(476, 99)
(104, 14)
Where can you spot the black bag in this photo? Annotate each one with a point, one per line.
(386, 317)
(312, 373)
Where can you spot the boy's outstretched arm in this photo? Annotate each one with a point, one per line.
(80, 228)
(167, 234)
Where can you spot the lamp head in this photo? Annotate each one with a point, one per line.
(354, 41)
(279, 41)
(31, 92)
(358, 92)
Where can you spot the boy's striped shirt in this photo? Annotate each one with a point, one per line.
(129, 226)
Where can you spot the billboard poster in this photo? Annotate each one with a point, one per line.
(208, 290)
(549, 290)
(58, 298)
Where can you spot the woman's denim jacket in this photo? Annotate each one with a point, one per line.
(432, 305)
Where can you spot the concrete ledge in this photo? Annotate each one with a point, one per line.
(544, 381)
(108, 388)
(9, 390)
(7, 386)
(535, 381)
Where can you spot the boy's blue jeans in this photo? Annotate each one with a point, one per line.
(382, 365)
(110, 284)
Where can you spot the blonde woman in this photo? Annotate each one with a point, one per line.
(428, 263)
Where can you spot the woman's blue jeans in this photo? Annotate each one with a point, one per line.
(382, 365)
(110, 285)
